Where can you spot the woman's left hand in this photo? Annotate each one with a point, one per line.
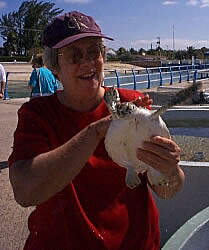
(143, 102)
(163, 155)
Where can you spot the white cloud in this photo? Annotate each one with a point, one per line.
(179, 44)
(193, 2)
(77, 1)
(183, 43)
(199, 3)
(2, 4)
(204, 3)
(168, 2)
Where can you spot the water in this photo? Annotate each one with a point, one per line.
(19, 89)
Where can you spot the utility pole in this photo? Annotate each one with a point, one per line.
(173, 42)
(167, 50)
(158, 46)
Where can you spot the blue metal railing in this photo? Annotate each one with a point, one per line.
(6, 95)
(147, 77)
(157, 76)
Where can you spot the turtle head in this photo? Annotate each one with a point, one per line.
(112, 100)
(112, 95)
(126, 110)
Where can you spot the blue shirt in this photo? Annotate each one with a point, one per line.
(48, 83)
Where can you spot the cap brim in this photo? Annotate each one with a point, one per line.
(74, 38)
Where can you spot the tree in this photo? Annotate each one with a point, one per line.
(121, 51)
(141, 51)
(133, 51)
(190, 51)
(11, 43)
(26, 25)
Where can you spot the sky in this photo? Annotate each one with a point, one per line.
(141, 23)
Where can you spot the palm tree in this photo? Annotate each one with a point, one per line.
(26, 25)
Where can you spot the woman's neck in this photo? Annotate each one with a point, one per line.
(81, 104)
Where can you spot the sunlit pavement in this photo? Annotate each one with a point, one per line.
(13, 218)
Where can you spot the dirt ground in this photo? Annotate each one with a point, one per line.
(120, 66)
(13, 218)
(22, 71)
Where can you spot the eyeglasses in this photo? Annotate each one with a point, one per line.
(74, 55)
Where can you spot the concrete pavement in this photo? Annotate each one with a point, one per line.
(13, 218)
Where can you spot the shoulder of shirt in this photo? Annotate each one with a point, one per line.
(46, 70)
(38, 104)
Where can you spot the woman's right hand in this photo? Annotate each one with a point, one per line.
(102, 125)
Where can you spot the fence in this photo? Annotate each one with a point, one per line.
(157, 76)
(139, 79)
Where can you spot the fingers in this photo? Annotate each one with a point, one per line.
(143, 102)
(160, 153)
(165, 142)
(102, 125)
(147, 100)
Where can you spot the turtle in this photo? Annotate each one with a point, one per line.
(130, 127)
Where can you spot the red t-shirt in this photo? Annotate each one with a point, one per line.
(96, 211)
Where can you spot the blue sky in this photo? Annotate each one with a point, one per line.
(140, 23)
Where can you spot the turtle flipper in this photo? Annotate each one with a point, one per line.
(132, 178)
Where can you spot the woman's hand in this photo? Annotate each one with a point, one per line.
(143, 102)
(101, 126)
(163, 155)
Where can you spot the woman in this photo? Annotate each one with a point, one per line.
(42, 82)
(59, 163)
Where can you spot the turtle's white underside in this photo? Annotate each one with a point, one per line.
(127, 134)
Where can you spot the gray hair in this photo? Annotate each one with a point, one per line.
(50, 57)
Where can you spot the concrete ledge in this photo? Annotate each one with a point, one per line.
(192, 235)
(170, 88)
(183, 107)
(194, 164)
(185, 116)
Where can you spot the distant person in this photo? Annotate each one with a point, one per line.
(3, 81)
(42, 81)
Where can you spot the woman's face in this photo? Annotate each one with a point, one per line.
(81, 66)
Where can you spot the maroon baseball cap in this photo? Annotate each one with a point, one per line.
(70, 27)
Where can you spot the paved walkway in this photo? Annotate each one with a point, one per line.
(13, 218)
